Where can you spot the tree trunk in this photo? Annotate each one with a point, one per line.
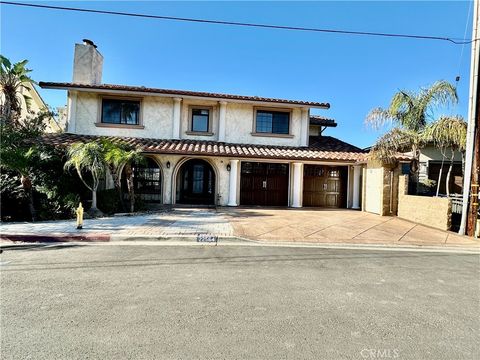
(440, 173)
(118, 187)
(414, 168)
(439, 179)
(27, 188)
(131, 192)
(94, 200)
(447, 181)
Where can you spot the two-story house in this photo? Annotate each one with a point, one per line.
(209, 148)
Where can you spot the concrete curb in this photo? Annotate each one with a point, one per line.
(55, 238)
(190, 240)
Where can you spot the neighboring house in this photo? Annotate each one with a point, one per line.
(36, 104)
(431, 162)
(209, 148)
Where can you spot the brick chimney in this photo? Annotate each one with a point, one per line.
(87, 63)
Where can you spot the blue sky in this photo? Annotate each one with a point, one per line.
(353, 73)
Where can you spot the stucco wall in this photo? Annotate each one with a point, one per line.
(157, 119)
(169, 176)
(433, 153)
(239, 127)
(425, 210)
(185, 120)
(156, 113)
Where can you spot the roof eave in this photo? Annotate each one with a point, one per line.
(278, 102)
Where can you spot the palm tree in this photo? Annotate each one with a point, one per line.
(447, 132)
(88, 157)
(410, 113)
(118, 155)
(17, 153)
(131, 157)
(13, 78)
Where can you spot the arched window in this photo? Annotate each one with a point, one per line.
(147, 181)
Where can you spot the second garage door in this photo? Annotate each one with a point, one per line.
(324, 186)
(264, 184)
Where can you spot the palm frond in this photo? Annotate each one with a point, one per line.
(395, 141)
(441, 93)
(86, 157)
(447, 131)
(378, 117)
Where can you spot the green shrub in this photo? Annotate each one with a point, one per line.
(108, 201)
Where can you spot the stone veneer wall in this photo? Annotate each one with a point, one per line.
(431, 211)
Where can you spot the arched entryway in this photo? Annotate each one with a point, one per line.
(195, 183)
(147, 181)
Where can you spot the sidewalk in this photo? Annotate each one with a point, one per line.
(182, 222)
(272, 226)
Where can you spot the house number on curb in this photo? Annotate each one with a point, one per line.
(207, 238)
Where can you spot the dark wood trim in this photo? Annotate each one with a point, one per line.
(119, 98)
(272, 109)
(199, 133)
(121, 126)
(285, 136)
(210, 118)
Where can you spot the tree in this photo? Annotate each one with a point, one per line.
(13, 79)
(16, 153)
(447, 132)
(17, 158)
(120, 155)
(410, 113)
(88, 157)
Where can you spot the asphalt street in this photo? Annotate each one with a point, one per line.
(237, 302)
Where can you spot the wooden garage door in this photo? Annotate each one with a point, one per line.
(264, 184)
(323, 186)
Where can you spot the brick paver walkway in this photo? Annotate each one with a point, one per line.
(178, 222)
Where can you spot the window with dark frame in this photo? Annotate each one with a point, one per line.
(200, 120)
(273, 122)
(117, 111)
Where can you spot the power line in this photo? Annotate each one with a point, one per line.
(457, 78)
(455, 41)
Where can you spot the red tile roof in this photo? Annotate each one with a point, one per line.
(170, 92)
(323, 148)
(399, 157)
(322, 121)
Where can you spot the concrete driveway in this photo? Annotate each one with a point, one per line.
(335, 226)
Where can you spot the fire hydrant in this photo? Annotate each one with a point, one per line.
(79, 212)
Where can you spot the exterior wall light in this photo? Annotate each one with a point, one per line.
(228, 167)
(168, 164)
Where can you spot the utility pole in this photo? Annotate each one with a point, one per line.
(474, 183)
(470, 178)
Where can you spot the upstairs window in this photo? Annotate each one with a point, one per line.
(116, 111)
(272, 122)
(200, 120)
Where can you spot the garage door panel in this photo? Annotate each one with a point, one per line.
(322, 186)
(267, 184)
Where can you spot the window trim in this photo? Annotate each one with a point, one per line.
(100, 122)
(190, 130)
(272, 134)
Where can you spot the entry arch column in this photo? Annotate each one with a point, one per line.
(233, 182)
(297, 185)
(357, 171)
